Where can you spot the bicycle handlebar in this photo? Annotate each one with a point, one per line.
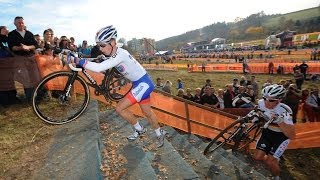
(259, 113)
(67, 52)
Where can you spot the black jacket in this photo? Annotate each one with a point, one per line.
(15, 39)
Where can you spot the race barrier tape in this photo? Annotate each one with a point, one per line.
(255, 68)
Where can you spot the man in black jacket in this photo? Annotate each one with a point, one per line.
(303, 69)
(22, 43)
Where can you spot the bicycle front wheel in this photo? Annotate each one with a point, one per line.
(225, 137)
(117, 85)
(56, 101)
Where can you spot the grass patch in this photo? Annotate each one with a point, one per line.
(23, 141)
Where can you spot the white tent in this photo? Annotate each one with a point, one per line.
(218, 40)
(159, 53)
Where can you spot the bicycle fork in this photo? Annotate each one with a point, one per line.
(67, 89)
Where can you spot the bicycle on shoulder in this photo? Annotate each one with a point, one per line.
(239, 134)
(63, 96)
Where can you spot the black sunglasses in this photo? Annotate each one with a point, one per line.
(270, 100)
(103, 45)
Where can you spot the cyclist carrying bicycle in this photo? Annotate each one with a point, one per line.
(142, 83)
(276, 137)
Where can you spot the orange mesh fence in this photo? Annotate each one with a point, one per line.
(314, 67)
(196, 119)
(168, 67)
(48, 64)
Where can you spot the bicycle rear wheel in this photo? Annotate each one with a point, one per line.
(117, 85)
(225, 137)
(56, 101)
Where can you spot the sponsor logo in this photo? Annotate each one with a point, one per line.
(89, 77)
(120, 68)
(140, 88)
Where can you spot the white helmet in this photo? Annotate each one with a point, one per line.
(274, 91)
(106, 34)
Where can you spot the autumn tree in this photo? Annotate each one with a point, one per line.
(255, 31)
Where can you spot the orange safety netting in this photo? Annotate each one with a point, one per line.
(314, 67)
(193, 118)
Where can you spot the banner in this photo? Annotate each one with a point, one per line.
(19, 68)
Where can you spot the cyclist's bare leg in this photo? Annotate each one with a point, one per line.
(259, 155)
(152, 118)
(150, 115)
(122, 109)
(273, 164)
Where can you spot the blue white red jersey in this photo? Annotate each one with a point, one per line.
(123, 62)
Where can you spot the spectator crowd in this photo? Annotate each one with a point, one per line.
(20, 42)
(243, 93)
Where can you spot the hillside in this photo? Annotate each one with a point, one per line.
(302, 15)
(255, 26)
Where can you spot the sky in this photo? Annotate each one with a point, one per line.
(156, 19)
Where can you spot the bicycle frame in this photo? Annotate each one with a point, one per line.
(240, 133)
(246, 132)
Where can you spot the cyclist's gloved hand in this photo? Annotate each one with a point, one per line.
(282, 117)
(80, 54)
(278, 120)
(101, 56)
(252, 113)
(71, 58)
